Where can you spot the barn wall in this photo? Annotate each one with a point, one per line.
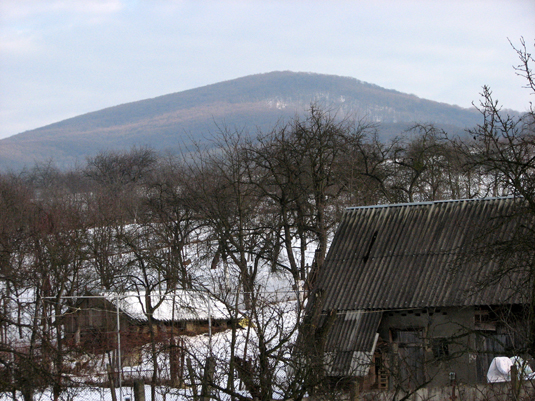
(431, 344)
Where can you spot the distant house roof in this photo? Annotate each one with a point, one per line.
(407, 255)
(180, 305)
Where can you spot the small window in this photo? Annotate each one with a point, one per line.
(441, 348)
(484, 319)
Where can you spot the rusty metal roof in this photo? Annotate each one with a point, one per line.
(416, 255)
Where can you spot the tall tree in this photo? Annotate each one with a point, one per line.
(300, 170)
(171, 221)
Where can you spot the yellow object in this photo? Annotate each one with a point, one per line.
(245, 322)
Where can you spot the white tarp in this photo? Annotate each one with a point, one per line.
(500, 369)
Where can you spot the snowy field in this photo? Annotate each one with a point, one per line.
(280, 322)
(104, 394)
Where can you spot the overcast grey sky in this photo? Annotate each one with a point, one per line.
(62, 58)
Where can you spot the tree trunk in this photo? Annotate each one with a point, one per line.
(209, 369)
(139, 390)
(112, 383)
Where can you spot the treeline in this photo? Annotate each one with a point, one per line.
(127, 221)
(258, 196)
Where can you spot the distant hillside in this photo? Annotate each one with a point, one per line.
(257, 101)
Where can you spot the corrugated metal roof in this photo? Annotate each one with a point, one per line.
(351, 343)
(353, 331)
(349, 363)
(404, 256)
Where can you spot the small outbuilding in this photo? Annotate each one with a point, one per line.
(424, 294)
(180, 312)
(92, 325)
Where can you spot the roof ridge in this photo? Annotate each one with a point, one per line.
(391, 205)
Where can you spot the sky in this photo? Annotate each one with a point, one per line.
(63, 58)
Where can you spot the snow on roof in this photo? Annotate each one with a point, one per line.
(177, 305)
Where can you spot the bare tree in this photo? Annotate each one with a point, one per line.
(419, 165)
(15, 212)
(502, 150)
(171, 221)
(229, 207)
(119, 176)
(300, 169)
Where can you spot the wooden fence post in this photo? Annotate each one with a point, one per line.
(112, 382)
(209, 370)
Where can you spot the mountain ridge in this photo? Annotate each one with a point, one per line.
(252, 102)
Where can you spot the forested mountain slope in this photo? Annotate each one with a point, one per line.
(250, 103)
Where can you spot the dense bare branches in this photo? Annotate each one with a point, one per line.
(128, 222)
(300, 170)
(502, 151)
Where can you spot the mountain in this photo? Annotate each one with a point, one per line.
(250, 103)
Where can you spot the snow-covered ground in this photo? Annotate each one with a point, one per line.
(279, 320)
(104, 394)
(218, 294)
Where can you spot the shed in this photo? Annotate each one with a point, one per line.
(419, 293)
(92, 322)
